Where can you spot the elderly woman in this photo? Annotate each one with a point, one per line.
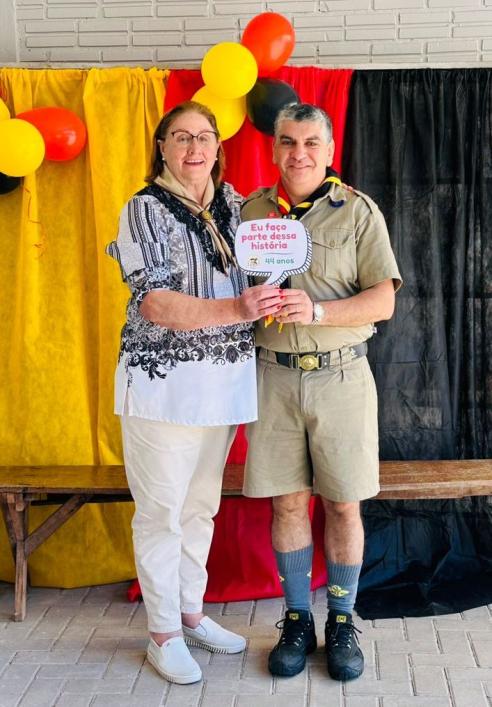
(185, 376)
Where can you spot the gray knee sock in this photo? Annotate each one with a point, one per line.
(343, 581)
(294, 569)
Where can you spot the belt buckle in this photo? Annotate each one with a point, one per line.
(308, 362)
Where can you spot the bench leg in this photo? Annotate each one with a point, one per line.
(8, 523)
(17, 508)
(20, 601)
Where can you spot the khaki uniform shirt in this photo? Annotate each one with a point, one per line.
(351, 252)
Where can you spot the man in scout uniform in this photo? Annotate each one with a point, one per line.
(317, 422)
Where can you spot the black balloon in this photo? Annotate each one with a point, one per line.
(265, 100)
(8, 184)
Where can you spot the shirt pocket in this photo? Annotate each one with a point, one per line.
(334, 254)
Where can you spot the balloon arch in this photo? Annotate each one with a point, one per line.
(238, 77)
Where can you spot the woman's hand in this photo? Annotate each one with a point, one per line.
(175, 310)
(297, 307)
(259, 301)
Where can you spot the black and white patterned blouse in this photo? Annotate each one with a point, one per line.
(200, 377)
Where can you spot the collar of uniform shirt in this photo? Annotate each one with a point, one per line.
(295, 212)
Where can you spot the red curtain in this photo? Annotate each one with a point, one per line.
(249, 152)
(241, 564)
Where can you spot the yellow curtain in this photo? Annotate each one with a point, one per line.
(63, 306)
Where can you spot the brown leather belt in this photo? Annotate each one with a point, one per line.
(315, 361)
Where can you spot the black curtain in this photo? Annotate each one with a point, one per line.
(419, 143)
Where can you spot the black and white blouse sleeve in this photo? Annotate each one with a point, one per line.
(142, 247)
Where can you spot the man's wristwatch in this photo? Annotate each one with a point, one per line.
(318, 313)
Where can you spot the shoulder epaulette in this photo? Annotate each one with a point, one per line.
(367, 199)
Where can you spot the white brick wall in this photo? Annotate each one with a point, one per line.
(171, 33)
(7, 32)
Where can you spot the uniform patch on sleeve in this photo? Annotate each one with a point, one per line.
(337, 591)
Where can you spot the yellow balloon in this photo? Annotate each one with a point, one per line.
(21, 147)
(4, 111)
(229, 112)
(229, 70)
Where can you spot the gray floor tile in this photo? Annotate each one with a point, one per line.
(86, 648)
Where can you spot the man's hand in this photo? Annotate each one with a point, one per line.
(258, 301)
(375, 304)
(297, 307)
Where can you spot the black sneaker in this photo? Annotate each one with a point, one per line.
(298, 639)
(344, 657)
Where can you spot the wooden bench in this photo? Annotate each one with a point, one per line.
(73, 486)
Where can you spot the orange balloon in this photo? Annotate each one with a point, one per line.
(270, 37)
(64, 133)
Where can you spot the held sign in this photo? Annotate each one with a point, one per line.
(274, 248)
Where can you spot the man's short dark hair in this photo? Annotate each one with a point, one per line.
(299, 112)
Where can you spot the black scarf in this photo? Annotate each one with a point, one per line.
(219, 209)
(295, 212)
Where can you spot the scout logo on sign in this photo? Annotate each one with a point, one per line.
(273, 248)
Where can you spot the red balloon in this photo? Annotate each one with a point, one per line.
(270, 38)
(63, 131)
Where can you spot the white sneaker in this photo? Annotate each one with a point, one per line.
(213, 637)
(174, 661)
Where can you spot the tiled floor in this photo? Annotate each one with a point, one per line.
(86, 647)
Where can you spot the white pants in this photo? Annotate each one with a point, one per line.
(175, 477)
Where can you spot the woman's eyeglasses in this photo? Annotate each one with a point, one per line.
(183, 138)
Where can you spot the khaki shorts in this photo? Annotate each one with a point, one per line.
(315, 429)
